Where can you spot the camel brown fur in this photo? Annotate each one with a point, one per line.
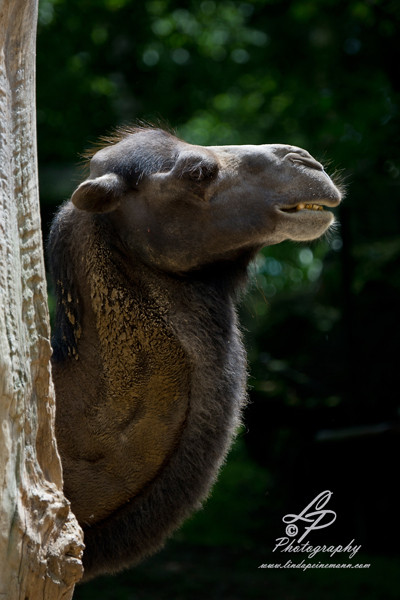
(148, 258)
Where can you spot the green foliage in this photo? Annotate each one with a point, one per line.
(297, 70)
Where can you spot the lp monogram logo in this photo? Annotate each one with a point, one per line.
(313, 514)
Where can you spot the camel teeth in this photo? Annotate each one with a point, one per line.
(303, 206)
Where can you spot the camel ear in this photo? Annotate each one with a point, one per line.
(100, 195)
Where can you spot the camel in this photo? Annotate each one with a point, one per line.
(149, 259)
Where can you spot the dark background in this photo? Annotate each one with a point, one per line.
(321, 319)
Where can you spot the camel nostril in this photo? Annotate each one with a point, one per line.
(308, 161)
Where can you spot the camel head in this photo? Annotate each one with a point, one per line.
(180, 206)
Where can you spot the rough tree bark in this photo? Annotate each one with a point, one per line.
(40, 540)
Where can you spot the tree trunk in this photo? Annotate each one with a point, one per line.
(40, 540)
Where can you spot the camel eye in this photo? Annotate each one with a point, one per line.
(203, 172)
(196, 168)
(197, 173)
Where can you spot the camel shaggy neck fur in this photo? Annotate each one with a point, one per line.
(148, 260)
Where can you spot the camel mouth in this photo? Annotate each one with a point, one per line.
(315, 206)
(303, 206)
